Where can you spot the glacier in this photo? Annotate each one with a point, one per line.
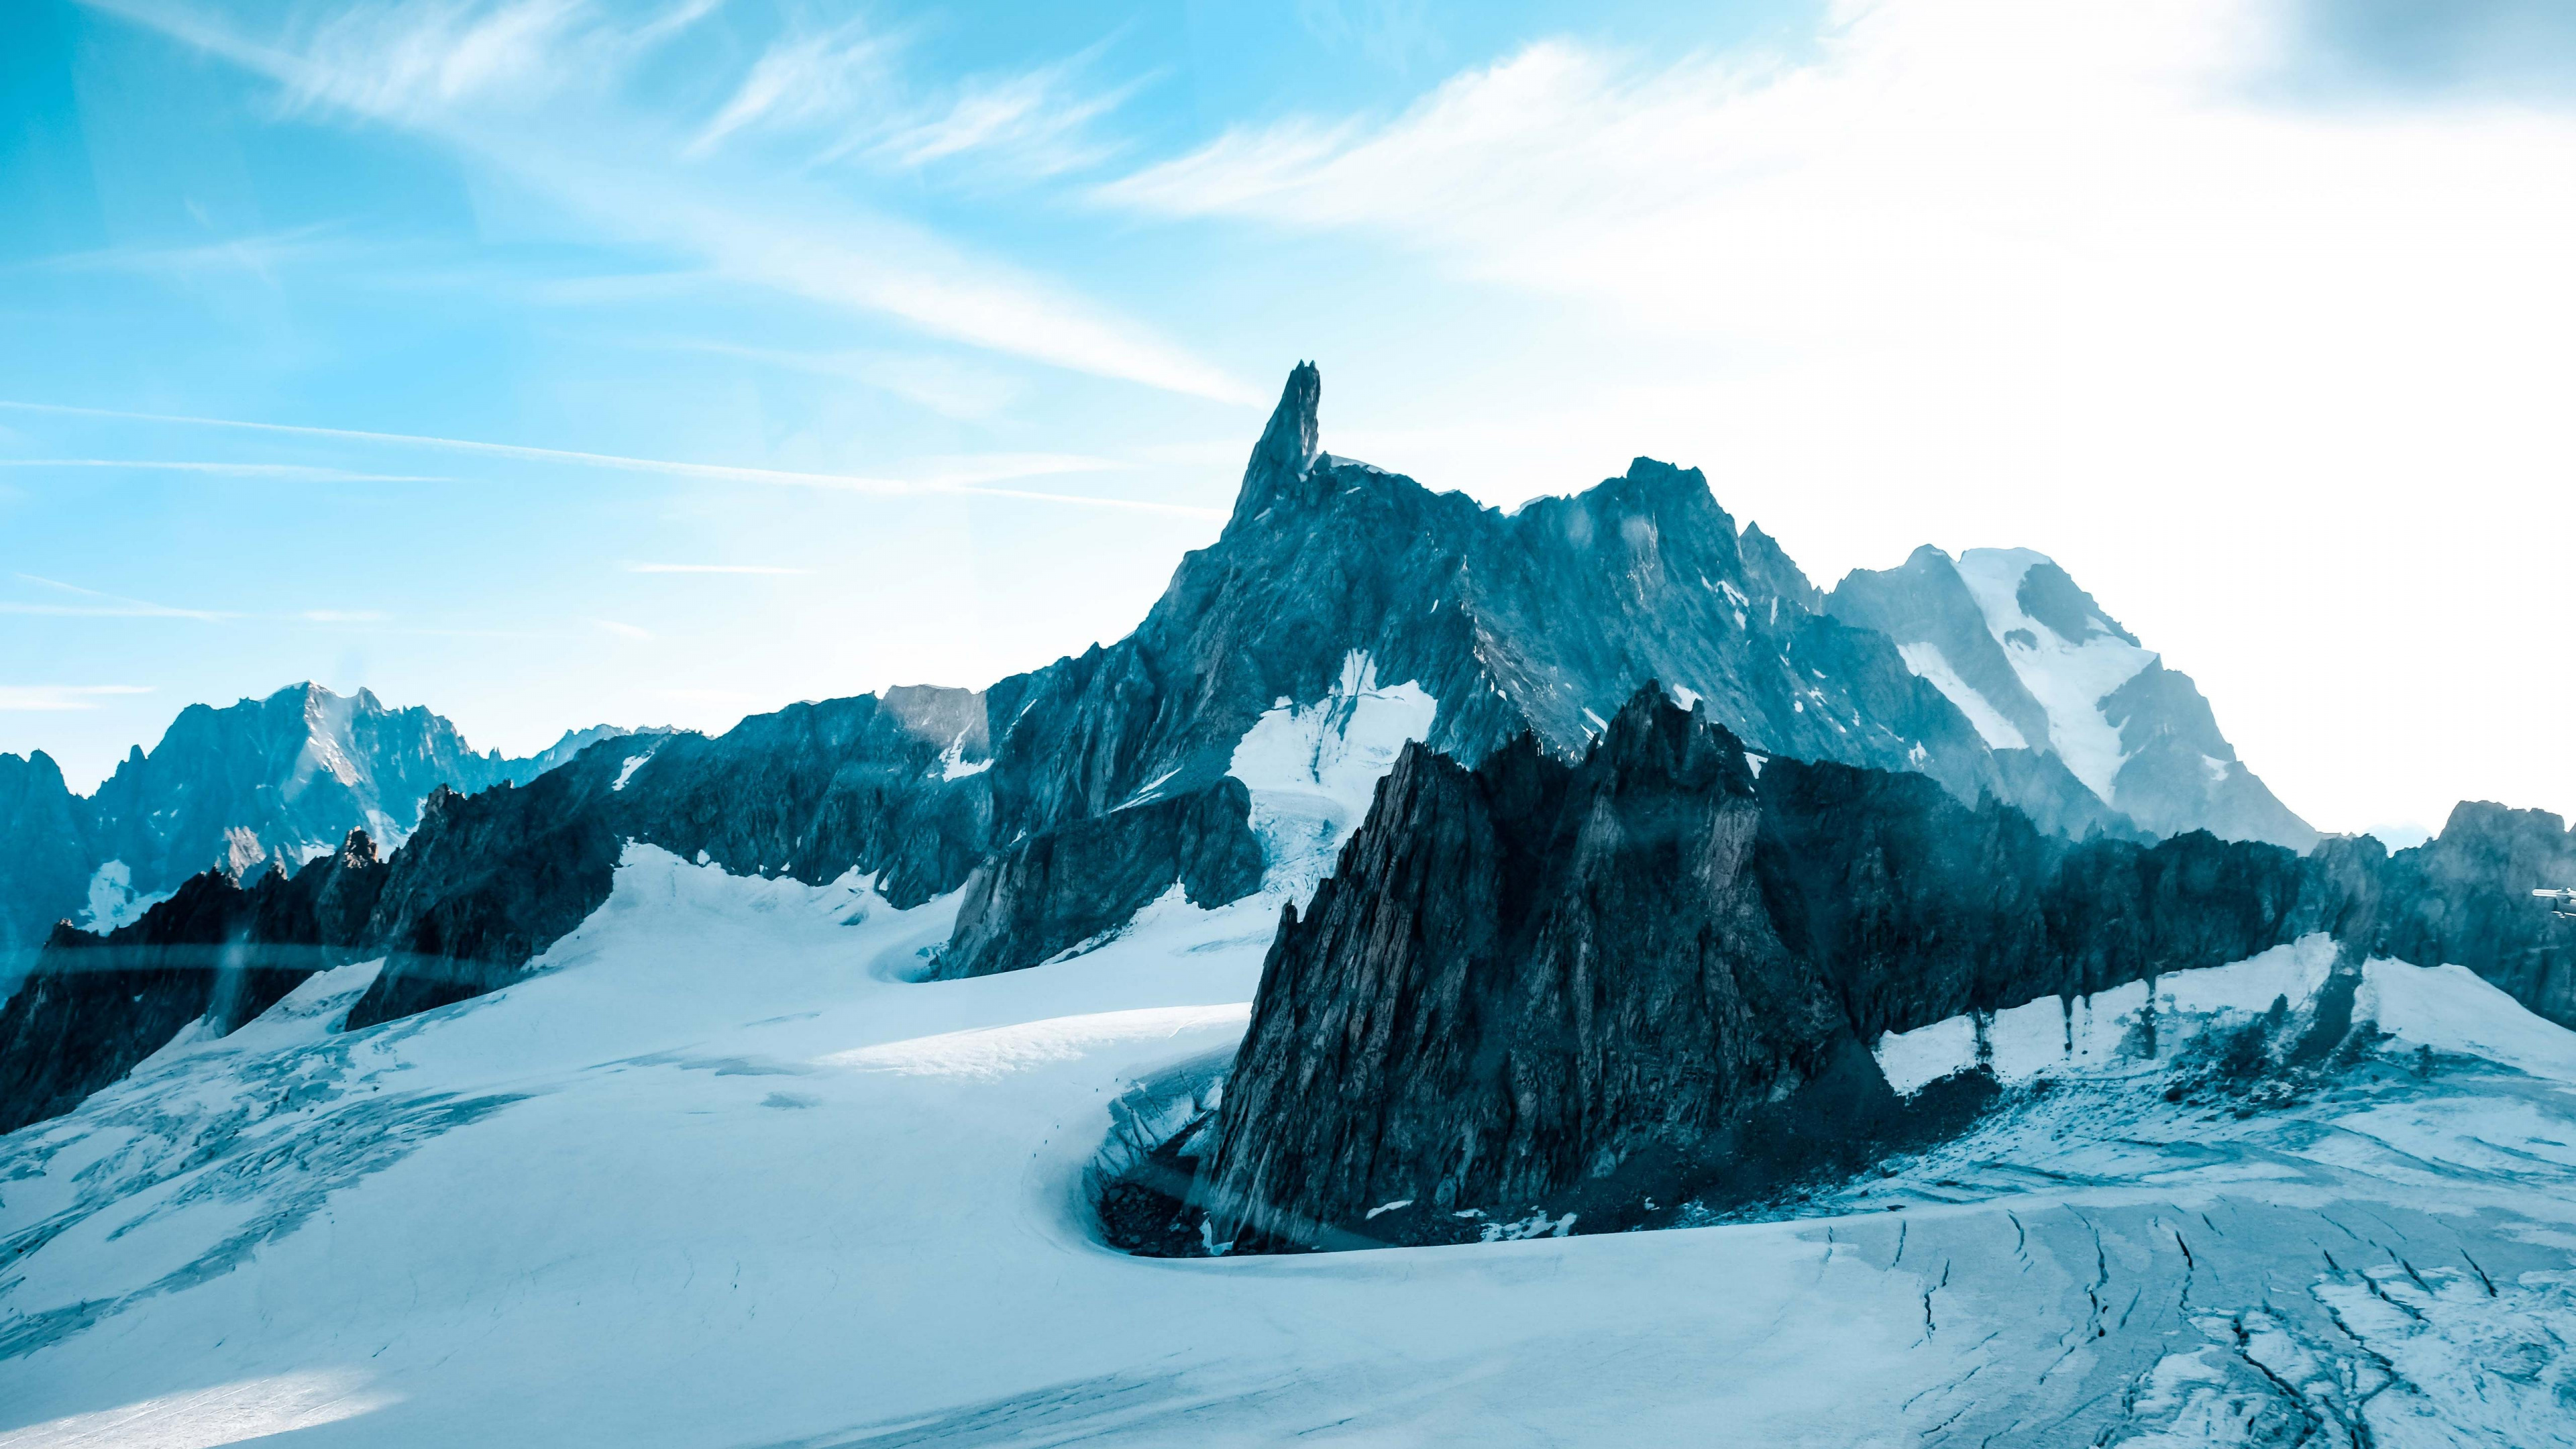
(720, 1172)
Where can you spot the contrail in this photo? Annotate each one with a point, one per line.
(971, 483)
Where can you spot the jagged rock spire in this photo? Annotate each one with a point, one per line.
(1287, 447)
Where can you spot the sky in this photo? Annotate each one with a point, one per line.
(550, 362)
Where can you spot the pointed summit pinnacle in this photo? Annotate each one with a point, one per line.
(1287, 447)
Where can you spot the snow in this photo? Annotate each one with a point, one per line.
(112, 901)
(626, 772)
(2099, 1033)
(2450, 1009)
(1312, 769)
(1927, 660)
(1685, 696)
(719, 1173)
(953, 764)
(2069, 677)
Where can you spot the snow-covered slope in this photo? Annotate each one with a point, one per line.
(722, 1176)
(2068, 673)
(2033, 662)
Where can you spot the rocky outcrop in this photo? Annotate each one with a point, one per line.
(218, 952)
(1534, 986)
(2465, 897)
(893, 787)
(1060, 890)
(1540, 620)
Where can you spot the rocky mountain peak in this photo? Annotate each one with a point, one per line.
(1287, 449)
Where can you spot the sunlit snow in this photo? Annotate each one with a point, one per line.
(112, 901)
(719, 1173)
(1312, 769)
(2069, 677)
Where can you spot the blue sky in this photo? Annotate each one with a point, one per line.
(552, 361)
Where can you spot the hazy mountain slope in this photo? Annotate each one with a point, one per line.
(2029, 657)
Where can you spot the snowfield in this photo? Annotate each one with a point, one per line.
(722, 1172)
(2069, 677)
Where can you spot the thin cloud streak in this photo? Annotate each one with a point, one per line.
(57, 698)
(298, 472)
(968, 480)
(114, 606)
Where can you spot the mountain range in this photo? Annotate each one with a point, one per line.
(1064, 800)
(1468, 886)
(277, 779)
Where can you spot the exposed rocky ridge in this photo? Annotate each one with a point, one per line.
(1534, 986)
(1054, 892)
(1534, 983)
(1036, 790)
(2465, 897)
(218, 952)
(885, 786)
(277, 779)
(489, 880)
(2173, 772)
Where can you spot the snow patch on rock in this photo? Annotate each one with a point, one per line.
(2126, 1029)
(113, 901)
(1312, 769)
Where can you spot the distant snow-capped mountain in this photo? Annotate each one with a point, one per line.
(281, 779)
(2034, 662)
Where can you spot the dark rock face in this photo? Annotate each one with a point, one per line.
(2465, 897)
(217, 951)
(1055, 891)
(1541, 985)
(44, 856)
(486, 882)
(1542, 620)
(2182, 774)
(1924, 601)
(886, 786)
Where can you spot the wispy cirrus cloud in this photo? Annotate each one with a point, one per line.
(623, 631)
(57, 698)
(972, 476)
(93, 603)
(261, 255)
(531, 90)
(804, 80)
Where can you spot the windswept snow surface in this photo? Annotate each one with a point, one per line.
(720, 1176)
(2069, 677)
(1313, 768)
